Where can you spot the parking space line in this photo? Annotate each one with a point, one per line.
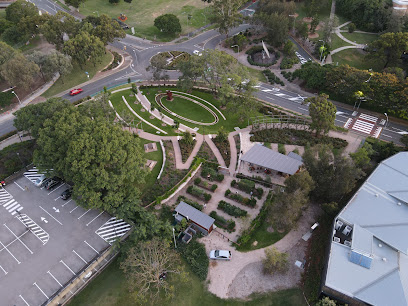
(67, 267)
(66, 203)
(94, 219)
(5, 248)
(19, 186)
(50, 215)
(57, 198)
(74, 209)
(54, 278)
(83, 214)
(5, 272)
(19, 239)
(80, 256)
(56, 188)
(24, 300)
(35, 284)
(91, 247)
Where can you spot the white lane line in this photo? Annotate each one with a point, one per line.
(5, 272)
(67, 267)
(57, 198)
(304, 109)
(19, 239)
(74, 209)
(94, 219)
(35, 284)
(386, 135)
(66, 203)
(4, 247)
(24, 300)
(56, 188)
(54, 278)
(83, 214)
(50, 215)
(19, 186)
(91, 247)
(80, 256)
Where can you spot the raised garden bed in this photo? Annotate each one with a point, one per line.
(220, 221)
(248, 186)
(224, 148)
(256, 58)
(257, 179)
(240, 199)
(190, 202)
(199, 193)
(209, 171)
(232, 210)
(204, 184)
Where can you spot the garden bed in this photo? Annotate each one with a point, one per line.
(209, 171)
(240, 199)
(255, 56)
(248, 186)
(198, 193)
(232, 210)
(228, 225)
(296, 137)
(224, 148)
(257, 179)
(206, 153)
(204, 184)
(185, 149)
(272, 78)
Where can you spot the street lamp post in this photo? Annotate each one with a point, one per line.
(322, 49)
(386, 122)
(13, 92)
(174, 237)
(235, 46)
(97, 12)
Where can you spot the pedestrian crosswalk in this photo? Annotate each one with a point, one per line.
(4, 195)
(113, 229)
(32, 174)
(368, 117)
(34, 228)
(362, 126)
(12, 206)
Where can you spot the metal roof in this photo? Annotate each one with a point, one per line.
(380, 227)
(267, 158)
(195, 215)
(295, 156)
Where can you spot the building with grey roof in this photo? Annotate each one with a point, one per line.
(264, 157)
(203, 221)
(368, 259)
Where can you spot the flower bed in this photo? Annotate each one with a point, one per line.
(232, 210)
(209, 171)
(240, 199)
(190, 202)
(220, 221)
(248, 187)
(204, 184)
(199, 193)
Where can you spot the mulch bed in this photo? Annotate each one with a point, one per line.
(206, 153)
(224, 148)
(185, 149)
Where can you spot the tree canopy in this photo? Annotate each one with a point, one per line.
(389, 48)
(168, 23)
(323, 113)
(225, 14)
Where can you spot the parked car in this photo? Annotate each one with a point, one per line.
(196, 52)
(66, 194)
(220, 254)
(39, 180)
(54, 182)
(75, 91)
(45, 182)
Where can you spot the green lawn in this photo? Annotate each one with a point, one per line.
(301, 10)
(141, 14)
(150, 179)
(337, 42)
(360, 38)
(77, 76)
(257, 74)
(355, 58)
(110, 288)
(188, 109)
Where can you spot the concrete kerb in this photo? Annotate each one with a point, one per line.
(164, 159)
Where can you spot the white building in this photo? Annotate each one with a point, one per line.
(400, 6)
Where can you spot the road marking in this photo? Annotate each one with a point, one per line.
(67, 267)
(5, 272)
(4, 247)
(368, 117)
(50, 215)
(66, 203)
(19, 186)
(83, 214)
(24, 300)
(4, 196)
(19, 239)
(94, 219)
(56, 188)
(113, 229)
(91, 247)
(54, 278)
(303, 109)
(74, 209)
(35, 229)
(35, 284)
(386, 135)
(57, 198)
(80, 256)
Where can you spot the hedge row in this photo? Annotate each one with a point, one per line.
(199, 193)
(272, 78)
(190, 202)
(257, 179)
(232, 210)
(248, 186)
(220, 221)
(204, 184)
(196, 256)
(256, 49)
(239, 198)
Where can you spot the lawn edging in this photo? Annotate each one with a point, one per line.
(164, 159)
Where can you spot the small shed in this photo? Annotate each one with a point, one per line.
(204, 222)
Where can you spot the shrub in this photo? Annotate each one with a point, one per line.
(281, 148)
(199, 193)
(190, 202)
(197, 181)
(246, 185)
(243, 200)
(220, 221)
(272, 78)
(211, 174)
(232, 210)
(275, 261)
(6, 98)
(214, 187)
(196, 256)
(288, 62)
(207, 197)
(227, 192)
(351, 27)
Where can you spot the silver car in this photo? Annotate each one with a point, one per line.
(220, 254)
(39, 180)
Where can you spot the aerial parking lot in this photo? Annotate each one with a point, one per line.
(45, 241)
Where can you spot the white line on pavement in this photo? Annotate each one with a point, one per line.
(50, 215)
(83, 214)
(66, 203)
(19, 186)
(4, 247)
(57, 198)
(91, 247)
(19, 239)
(5, 272)
(56, 188)
(74, 209)
(304, 109)
(94, 219)
(24, 300)
(54, 278)
(35, 284)
(386, 135)
(80, 256)
(67, 267)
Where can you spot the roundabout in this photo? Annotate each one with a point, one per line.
(191, 108)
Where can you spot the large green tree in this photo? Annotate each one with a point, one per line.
(225, 14)
(57, 26)
(20, 9)
(18, 71)
(6, 52)
(106, 29)
(389, 48)
(168, 23)
(323, 113)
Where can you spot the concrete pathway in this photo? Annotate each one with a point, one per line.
(178, 156)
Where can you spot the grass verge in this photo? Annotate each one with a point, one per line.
(355, 58)
(360, 38)
(151, 177)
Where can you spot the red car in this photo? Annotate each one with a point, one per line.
(75, 91)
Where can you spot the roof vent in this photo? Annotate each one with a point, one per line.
(376, 195)
(380, 245)
(384, 259)
(399, 203)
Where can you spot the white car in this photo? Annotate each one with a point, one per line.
(39, 180)
(196, 52)
(220, 254)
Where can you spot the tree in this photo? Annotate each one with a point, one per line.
(314, 75)
(287, 208)
(275, 261)
(128, 1)
(389, 48)
(168, 23)
(20, 9)
(188, 138)
(362, 157)
(314, 24)
(38, 57)
(289, 47)
(57, 62)
(18, 71)
(84, 47)
(323, 113)
(277, 26)
(6, 52)
(106, 29)
(351, 27)
(225, 14)
(302, 181)
(326, 301)
(146, 267)
(57, 26)
(302, 29)
(404, 140)
(222, 134)
(74, 3)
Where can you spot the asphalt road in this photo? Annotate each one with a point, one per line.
(142, 50)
